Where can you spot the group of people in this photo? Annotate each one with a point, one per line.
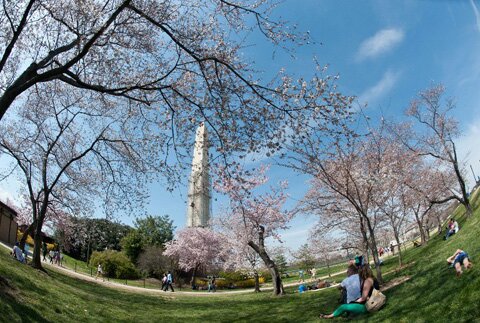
(21, 255)
(319, 284)
(301, 274)
(55, 257)
(385, 250)
(212, 284)
(167, 281)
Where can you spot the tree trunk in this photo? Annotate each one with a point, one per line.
(260, 250)
(37, 247)
(421, 229)
(194, 275)
(465, 201)
(439, 225)
(373, 244)
(257, 281)
(397, 238)
(29, 231)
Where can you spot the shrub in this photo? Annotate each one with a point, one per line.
(114, 264)
(236, 279)
(266, 275)
(233, 275)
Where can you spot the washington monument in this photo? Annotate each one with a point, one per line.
(199, 191)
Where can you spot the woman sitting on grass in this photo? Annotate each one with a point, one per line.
(457, 259)
(367, 283)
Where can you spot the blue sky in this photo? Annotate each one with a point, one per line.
(384, 52)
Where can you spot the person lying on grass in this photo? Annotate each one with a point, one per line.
(367, 283)
(458, 259)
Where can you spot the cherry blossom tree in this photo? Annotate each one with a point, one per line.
(305, 257)
(324, 247)
(240, 256)
(422, 193)
(436, 138)
(151, 71)
(254, 218)
(351, 172)
(423, 185)
(55, 220)
(181, 60)
(129, 49)
(195, 247)
(69, 154)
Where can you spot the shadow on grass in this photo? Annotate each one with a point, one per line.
(16, 309)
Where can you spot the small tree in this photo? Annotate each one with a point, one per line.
(281, 262)
(195, 247)
(304, 256)
(132, 245)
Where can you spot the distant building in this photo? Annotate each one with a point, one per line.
(8, 224)
(199, 188)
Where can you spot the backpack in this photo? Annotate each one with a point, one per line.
(375, 301)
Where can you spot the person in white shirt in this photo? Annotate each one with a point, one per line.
(351, 285)
(100, 272)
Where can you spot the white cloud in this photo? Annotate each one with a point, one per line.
(382, 42)
(384, 86)
(477, 14)
(468, 152)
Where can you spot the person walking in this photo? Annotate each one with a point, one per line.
(44, 251)
(211, 284)
(51, 255)
(169, 282)
(100, 272)
(164, 281)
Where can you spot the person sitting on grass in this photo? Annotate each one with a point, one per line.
(17, 253)
(368, 282)
(452, 228)
(350, 286)
(458, 259)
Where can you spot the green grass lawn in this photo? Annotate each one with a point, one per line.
(82, 267)
(433, 294)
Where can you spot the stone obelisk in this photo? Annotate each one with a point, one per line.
(199, 190)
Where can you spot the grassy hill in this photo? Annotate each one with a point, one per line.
(433, 293)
